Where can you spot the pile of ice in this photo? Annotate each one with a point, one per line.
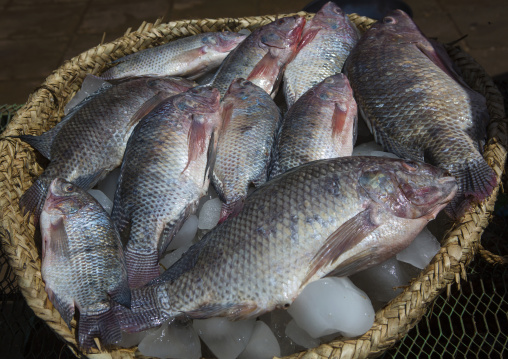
(326, 309)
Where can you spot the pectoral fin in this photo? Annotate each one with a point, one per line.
(349, 234)
(147, 107)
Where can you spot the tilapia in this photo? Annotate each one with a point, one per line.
(417, 108)
(163, 176)
(190, 57)
(250, 120)
(336, 216)
(321, 124)
(83, 264)
(262, 56)
(91, 139)
(327, 40)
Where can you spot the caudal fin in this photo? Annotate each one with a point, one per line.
(141, 267)
(33, 199)
(476, 182)
(144, 312)
(104, 326)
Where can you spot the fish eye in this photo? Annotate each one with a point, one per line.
(281, 21)
(410, 165)
(389, 20)
(69, 188)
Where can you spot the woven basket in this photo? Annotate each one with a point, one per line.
(44, 108)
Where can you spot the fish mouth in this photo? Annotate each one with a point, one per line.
(448, 184)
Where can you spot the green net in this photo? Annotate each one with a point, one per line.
(6, 113)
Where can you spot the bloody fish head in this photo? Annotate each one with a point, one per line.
(200, 100)
(409, 189)
(224, 41)
(63, 198)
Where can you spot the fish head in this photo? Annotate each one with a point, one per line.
(333, 88)
(241, 88)
(64, 198)
(283, 33)
(331, 16)
(170, 84)
(409, 189)
(397, 26)
(198, 100)
(223, 41)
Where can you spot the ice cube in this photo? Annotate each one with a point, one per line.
(277, 320)
(131, 339)
(102, 199)
(382, 282)
(186, 234)
(365, 149)
(171, 257)
(332, 305)
(108, 184)
(226, 339)
(421, 250)
(300, 336)
(90, 85)
(171, 340)
(209, 214)
(262, 343)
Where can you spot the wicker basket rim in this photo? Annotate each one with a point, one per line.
(44, 108)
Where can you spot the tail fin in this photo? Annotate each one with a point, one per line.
(141, 267)
(476, 182)
(105, 326)
(33, 199)
(144, 312)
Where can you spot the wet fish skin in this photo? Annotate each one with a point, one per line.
(327, 40)
(261, 57)
(83, 264)
(417, 108)
(190, 57)
(337, 216)
(250, 121)
(163, 176)
(321, 124)
(92, 140)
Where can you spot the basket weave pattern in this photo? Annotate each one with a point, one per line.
(19, 167)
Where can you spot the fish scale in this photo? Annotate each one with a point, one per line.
(418, 108)
(83, 264)
(333, 37)
(161, 180)
(338, 215)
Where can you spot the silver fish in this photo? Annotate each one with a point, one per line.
(327, 40)
(335, 216)
(91, 139)
(163, 176)
(190, 57)
(321, 124)
(250, 120)
(261, 57)
(83, 264)
(418, 108)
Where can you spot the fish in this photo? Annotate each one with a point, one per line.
(83, 264)
(250, 119)
(417, 108)
(328, 217)
(321, 124)
(90, 141)
(189, 57)
(262, 56)
(162, 177)
(327, 40)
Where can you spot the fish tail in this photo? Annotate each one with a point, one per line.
(104, 326)
(142, 267)
(33, 199)
(476, 182)
(144, 312)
